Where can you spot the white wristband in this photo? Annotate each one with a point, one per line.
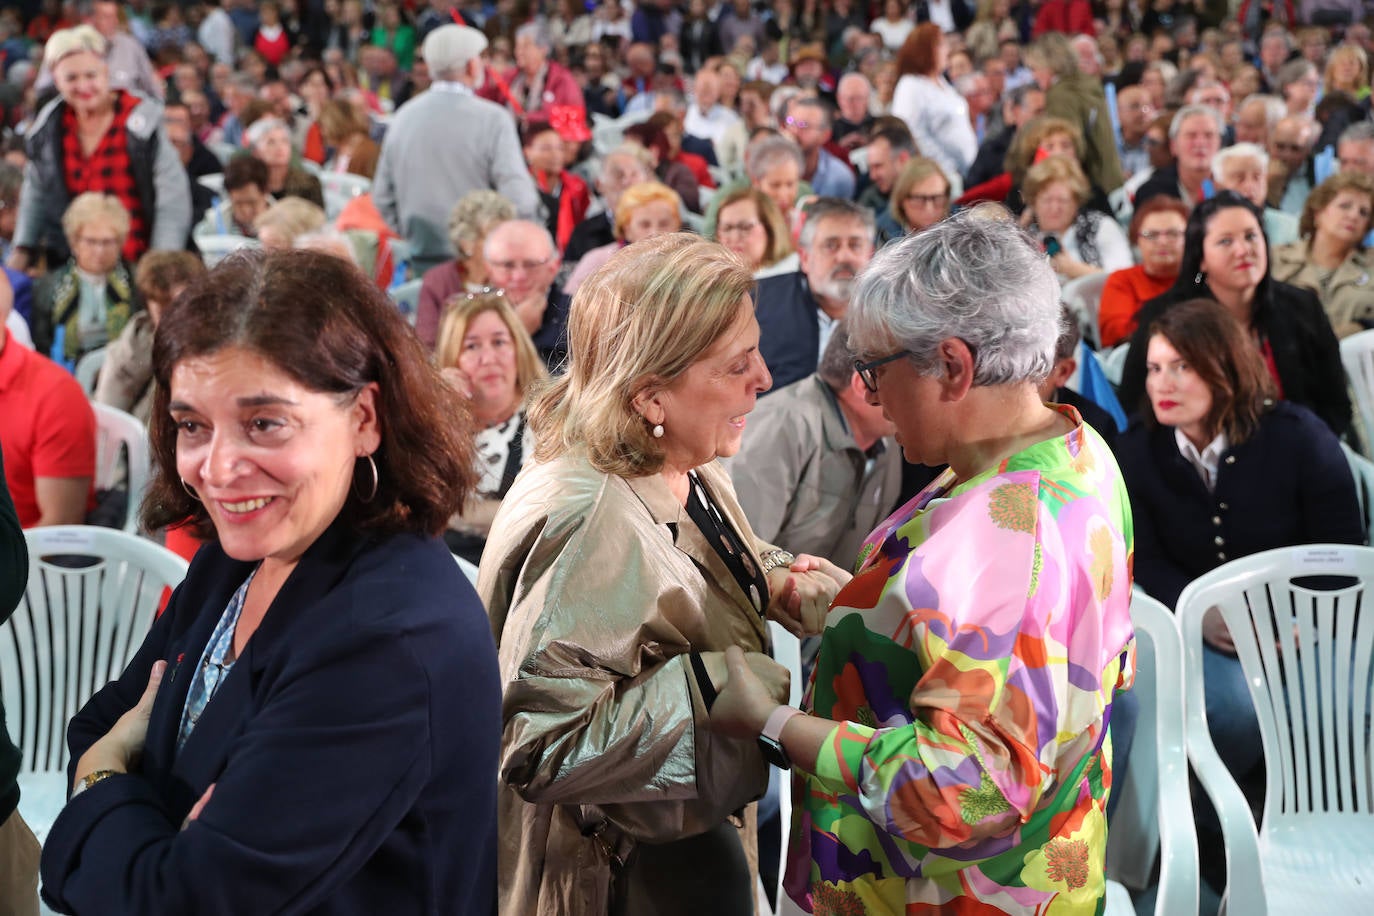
(772, 729)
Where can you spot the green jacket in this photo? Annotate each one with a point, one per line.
(14, 576)
(1079, 99)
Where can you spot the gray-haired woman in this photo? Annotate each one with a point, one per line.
(472, 217)
(953, 749)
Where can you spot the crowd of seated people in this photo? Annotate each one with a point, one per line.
(490, 164)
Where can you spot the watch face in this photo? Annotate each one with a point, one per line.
(774, 753)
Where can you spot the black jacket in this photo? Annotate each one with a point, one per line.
(789, 329)
(14, 575)
(1292, 322)
(1161, 183)
(1288, 484)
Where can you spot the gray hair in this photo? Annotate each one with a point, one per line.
(837, 360)
(1191, 111)
(1360, 132)
(1274, 107)
(535, 33)
(1239, 151)
(73, 41)
(833, 208)
(814, 103)
(474, 213)
(766, 152)
(261, 128)
(1292, 72)
(983, 281)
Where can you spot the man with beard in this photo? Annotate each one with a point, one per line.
(798, 311)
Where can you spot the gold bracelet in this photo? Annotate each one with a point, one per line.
(90, 779)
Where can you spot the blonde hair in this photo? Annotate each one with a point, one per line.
(774, 226)
(640, 321)
(638, 195)
(65, 42)
(1340, 52)
(1030, 137)
(1052, 170)
(293, 216)
(916, 170)
(94, 207)
(459, 313)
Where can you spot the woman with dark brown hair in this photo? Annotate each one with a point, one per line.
(934, 110)
(1218, 469)
(313, 722)
(344, 129)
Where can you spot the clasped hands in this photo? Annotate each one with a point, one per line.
(800, 594)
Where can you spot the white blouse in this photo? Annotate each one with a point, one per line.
(938, 117)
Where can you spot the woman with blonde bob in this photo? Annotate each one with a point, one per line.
(1330, 259)
(644, 210)
(750, 224)
(920, 195)
(485, 353)
(618, 571)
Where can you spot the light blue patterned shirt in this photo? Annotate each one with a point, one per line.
(213, 668)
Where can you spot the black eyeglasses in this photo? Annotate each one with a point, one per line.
(866, 373)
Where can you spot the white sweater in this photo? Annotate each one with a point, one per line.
(938, 117)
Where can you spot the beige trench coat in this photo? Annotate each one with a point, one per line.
(1350, 296)
(598, 587)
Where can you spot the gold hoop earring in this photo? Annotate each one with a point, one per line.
(187, 487)
(375, 482)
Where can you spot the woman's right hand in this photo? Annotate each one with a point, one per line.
(1215, 632)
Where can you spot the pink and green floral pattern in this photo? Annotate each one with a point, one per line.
(972, 663)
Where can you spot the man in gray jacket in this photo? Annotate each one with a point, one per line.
(818, 469)
(445, 143)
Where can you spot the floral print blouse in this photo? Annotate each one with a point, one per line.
(972, 663)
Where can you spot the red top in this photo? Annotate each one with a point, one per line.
(272, 49)
(1124, 293)
(108, 170)
(1072, 17)
(47, 427)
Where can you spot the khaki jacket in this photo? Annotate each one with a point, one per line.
(1349, 298)
(598, 587)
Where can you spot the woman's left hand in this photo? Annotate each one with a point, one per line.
(122, 746)
(801, 593)
(744, 703)
(1066, 265)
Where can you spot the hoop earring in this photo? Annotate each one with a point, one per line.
(375, 482)
(187, 487)
(657, 431)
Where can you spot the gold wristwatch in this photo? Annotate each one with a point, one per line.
(775, 558)
(91, 779)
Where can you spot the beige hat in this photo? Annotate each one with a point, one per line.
(450, 47)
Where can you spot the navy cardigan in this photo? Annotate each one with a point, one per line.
(353, 749)
(1288, 484)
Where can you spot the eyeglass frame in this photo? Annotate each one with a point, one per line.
(865, 369)
(528, 267)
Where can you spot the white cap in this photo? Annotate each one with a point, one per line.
(450, 47)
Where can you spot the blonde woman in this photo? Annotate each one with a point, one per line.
(486, 354)
(1347, 70)
(618, 571)
(1079, 240)
(1330, 259)
(751, 225)
(86, 302)
(645, 210)
(287, 220)
(920, 198)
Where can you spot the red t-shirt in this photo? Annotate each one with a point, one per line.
(1123, 295)
(47, 427)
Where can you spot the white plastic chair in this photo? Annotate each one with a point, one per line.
(345, 184)
(1114, 362)
(1357, 353)
(401, 251)
(120, 435)
(1307, 657)
(468, 569)
(215, 248)
(214, 181)
(18, 330)
(88, 369)
(74, 630)
(223, 151)
(407, 298)
(1083, 296)
(1154, 815)
(786, 652)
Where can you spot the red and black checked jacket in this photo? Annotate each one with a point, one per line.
(108, 170)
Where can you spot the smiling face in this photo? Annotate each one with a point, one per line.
(84, 81)
(1346, 218)
(1178, 395)
(657, 217)
(1233, 254)
(703, 410)
(271, 460)
(488, 360)
(740, 229)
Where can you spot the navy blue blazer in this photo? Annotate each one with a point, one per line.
(1288, 484)
(789, 331)
(353, 749)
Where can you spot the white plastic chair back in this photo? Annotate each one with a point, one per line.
(215, 248)
(214, 182)
(1357, 353)
(1083, 296)
(1362, 469)
(120, 435)
(468, 569)
(74, 630)
(1307, 657)
(1114, 366)
(786, 652)
(1154, 815)
(401, 251)
(18, 329)
(407, 298)
(223, 151)
(345, 185)
(88, 369)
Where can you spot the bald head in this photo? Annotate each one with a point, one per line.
(852, 95)
(522, 259)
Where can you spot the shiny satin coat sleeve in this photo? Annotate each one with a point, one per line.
(598, 588)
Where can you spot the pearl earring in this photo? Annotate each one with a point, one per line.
(658, 430)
